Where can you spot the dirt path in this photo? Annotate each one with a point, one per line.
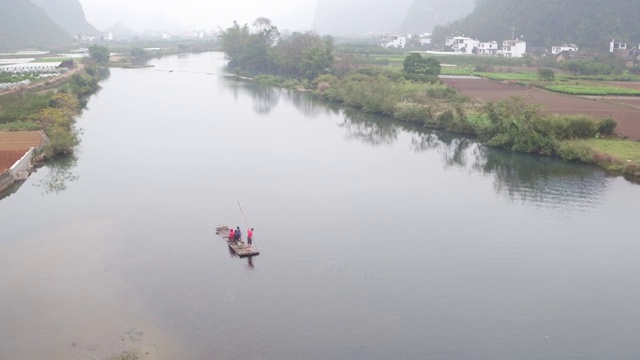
(625, 111)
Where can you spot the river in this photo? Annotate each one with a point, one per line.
(378, 240)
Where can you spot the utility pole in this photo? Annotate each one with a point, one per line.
(513, 33)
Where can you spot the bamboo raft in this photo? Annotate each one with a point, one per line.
(239, 247)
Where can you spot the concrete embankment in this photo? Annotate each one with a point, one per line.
(16, 155)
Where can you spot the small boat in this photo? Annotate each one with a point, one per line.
(241, 248)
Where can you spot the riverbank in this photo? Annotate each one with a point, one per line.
(514, 123)
(48, 110)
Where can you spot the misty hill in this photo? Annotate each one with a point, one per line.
(349, 17)
(25, 25)
(424, 15)
(69, 14)
(120, 30)
(589, 24)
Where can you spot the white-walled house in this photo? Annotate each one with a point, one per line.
(395, 41)
(488, 48)
(615, 46)
(555, 50)
(425, 39)
(464, 45)
(514, 48)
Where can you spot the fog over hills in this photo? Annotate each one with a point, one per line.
(590, 24)
(25, 25)
(424, 15)
(69, 14)
(387, 16)
(350, 17)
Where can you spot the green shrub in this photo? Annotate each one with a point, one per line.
(412, 112)
(545, 74)
(574, 152)
(607, 126)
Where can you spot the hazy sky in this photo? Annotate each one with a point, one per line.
(196, 14)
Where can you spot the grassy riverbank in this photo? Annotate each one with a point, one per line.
(52, 111)
(510, 124)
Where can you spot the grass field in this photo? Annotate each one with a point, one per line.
(593, 90)
(449, 70)
(623, 150)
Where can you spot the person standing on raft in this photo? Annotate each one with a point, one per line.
(250, 236)
(231, 235)
(238, 234)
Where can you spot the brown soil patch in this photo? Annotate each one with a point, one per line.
(20, 140)
(628, 117)
(9, 157)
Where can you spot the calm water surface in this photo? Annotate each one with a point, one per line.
(379, 240)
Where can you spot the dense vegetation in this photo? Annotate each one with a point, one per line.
(25, 25)
(590, 24)
(52, 112)
(262, 50)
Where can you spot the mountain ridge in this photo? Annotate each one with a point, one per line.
(550, 22)
(69, 14)
(25, 25)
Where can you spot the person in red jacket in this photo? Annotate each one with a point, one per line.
(231, 235)
(250, 236)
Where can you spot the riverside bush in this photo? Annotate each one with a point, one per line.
(606, 126)
(575, 152)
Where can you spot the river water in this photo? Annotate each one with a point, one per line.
(378, 240)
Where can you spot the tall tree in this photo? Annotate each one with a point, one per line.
(99, 54)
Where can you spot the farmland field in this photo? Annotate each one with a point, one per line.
(593, 90)
(20, 140)
(628, 117)
(8, 158)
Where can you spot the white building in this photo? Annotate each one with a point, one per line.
(465, 45)
(555, 50)
(107, 36)
(395, 41)
(614, 46)
(514, 48)
(488, 48)
(425, 39)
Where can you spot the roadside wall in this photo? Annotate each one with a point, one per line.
(20, 170)
(6, 179)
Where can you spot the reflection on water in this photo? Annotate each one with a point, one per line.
(544, 181)
(59, 174)
(371, 130)
(12, 189)
(265, 98)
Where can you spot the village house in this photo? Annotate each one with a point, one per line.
(425, 39)
(465, 45)
(555, 50)
(488, 48)
(616, 46)
(565, 55)
(395, 41)
(514, 48)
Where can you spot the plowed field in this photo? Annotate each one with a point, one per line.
(20, 140)
(8, 158)
(13, 145)
(627, 116)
